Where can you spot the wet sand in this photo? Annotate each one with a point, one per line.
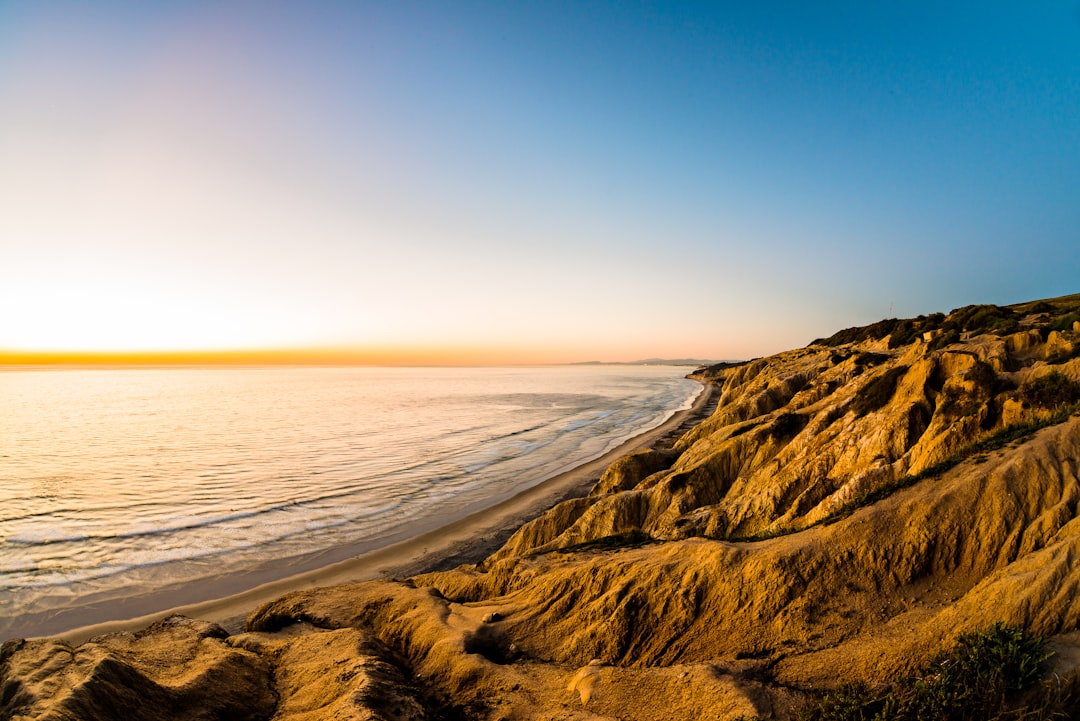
(467, 540)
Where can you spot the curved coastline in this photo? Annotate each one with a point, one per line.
(431, 546)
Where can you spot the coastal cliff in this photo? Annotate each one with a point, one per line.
(849, 511)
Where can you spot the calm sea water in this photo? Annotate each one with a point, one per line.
(114, 480)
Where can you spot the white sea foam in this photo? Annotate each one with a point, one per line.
(115, 478)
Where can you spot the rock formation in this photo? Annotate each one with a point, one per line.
(848, 509)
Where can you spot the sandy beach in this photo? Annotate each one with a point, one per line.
(465, 540)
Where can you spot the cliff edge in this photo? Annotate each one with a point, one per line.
(850, 509)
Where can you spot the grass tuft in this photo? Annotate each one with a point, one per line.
(990, 674)
(1050, 391)
(1062, 323)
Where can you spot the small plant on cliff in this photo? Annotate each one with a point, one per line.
(944, 339)
(858, 334)
(979, 319)
(990, 674)
(1052, 390)
(1065, 322)
(900, 332)
(1042, 307)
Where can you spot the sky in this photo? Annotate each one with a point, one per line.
(527, 182)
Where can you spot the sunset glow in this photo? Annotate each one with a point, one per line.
(466, 183)
(403, 356)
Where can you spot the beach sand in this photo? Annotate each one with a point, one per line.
(467, 540)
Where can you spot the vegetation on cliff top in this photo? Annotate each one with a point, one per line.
(990, 674)
(971, 320)
(638, 589)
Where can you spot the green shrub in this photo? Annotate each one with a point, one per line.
(905, 332)
(974, 319)
(958, 402)
(900, 331)
(983, 375)
(982, 677)
(946, 338)
(979, 319)
(1065, 322)
(1042, 307)
(909, 330)
(1050, 391)
(874, 331)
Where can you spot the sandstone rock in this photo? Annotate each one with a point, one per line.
(844, 513)
(1058, 346)
(1022, 341)
(177, 669)
(997, 540)
(465, 664)
(631, 469)
(737, 476)
(343, 674)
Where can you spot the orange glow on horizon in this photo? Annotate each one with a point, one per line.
(408, 356)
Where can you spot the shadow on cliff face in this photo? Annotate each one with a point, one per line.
(176, 669)
(882, 506)
(849, 510)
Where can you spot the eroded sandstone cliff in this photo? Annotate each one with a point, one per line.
(848, 509)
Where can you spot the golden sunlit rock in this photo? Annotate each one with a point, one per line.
(847, 510)
(586, 680)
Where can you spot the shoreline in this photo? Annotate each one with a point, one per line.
(469, 539)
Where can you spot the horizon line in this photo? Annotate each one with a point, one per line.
(301, 357)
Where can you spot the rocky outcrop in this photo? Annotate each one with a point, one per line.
(929, 553)
(177, 669)
(847, 510)
(180, 669)
(340, 674)
(799, 436)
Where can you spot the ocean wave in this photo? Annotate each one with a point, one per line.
(300, 462)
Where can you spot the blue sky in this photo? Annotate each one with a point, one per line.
(531, 181)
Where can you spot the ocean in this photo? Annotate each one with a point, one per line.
(116, 480)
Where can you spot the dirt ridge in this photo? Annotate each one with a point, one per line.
(847, 509)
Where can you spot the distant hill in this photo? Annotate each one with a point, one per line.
(696, 362)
